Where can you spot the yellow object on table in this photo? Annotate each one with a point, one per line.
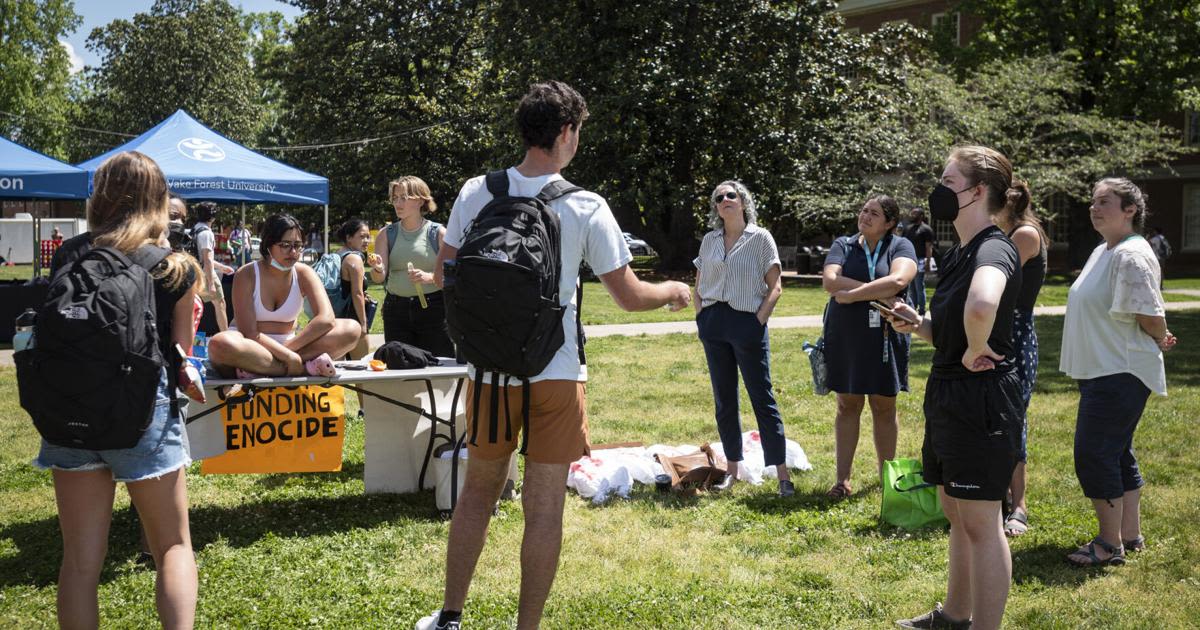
(420, 289)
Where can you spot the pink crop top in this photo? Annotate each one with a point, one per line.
(287, 312)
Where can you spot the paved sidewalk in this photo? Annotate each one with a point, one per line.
(689, 326)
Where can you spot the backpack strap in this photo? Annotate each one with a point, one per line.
(476, 392)
(148, 256)
(557, 188)
(432, 235)
(494, 416)
(497, 183)
(581, 338)
(524, 415)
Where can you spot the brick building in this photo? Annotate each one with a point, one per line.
(1174, 193)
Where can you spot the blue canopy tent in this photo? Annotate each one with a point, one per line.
(27, 174)
(200, 163)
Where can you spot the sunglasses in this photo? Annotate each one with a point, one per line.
(731, 196)
(294, 246)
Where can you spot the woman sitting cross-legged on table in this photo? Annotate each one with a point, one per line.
(737, 286)
(865, 358)
(267, 299)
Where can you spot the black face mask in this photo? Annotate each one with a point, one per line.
(943, 203)
(178, 236)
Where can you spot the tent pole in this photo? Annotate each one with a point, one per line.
(243, 215)
(326, 228)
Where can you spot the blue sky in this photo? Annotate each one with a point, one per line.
(101, 12)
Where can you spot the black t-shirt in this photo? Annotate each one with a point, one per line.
(919, 235)
(164, 298)
(989, 248)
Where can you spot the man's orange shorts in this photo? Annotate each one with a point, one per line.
(558, 429)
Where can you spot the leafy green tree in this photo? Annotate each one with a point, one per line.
(34, 72)
(686, 94)
(189, 54)
(403, 75)
(1135, 57)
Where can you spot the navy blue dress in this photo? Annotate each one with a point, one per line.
(854, 351)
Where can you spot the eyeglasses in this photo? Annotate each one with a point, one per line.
(294, 246)
(731, 196)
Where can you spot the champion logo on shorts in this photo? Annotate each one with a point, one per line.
(965, 486)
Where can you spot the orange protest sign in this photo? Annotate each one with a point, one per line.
(283, 429)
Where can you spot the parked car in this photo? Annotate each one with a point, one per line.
(637, 246)
(255, 243)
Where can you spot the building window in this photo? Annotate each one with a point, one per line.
(1191, 217)
(1056, 219)
(945, 232)
(954, 25)
(1191, 129)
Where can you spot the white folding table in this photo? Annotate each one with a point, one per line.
(406, 412)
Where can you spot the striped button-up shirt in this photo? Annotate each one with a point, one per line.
(738, 277)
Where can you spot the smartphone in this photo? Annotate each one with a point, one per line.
(887, 310)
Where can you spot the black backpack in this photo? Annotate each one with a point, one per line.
(91, 378)
(191, 245)
(503, 308)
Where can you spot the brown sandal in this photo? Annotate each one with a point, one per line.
(840, 490)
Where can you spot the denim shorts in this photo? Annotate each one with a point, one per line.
(162, 449)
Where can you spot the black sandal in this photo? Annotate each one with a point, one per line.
(1135, 545)
(1016, 523)
(1088, 551)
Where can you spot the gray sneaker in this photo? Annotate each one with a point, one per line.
(934, 620)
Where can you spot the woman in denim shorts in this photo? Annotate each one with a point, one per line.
(128, 210)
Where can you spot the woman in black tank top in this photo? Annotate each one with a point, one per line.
(1025, 230)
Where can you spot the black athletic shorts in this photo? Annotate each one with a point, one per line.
(973, 434)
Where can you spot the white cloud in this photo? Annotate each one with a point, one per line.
(76, 60)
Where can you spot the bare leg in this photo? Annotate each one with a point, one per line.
(886, 428)
(162, 504)
(845, 428)
(1111, 516)
(336, 343)
(468, 527)
(230, 350)
(222, 316)
(1131, 514)
(1017, 486)
(991, 563)
(85, 501)
(958, 581)
(544, 493)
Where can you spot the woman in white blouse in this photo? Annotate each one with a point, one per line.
(737, 286)
(1113, 338)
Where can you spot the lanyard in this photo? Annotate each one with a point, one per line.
(872, 258)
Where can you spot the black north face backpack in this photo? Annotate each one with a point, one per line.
(503, 308)
(91, 378)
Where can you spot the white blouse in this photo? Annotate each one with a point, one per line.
(1101, 336)
(738, 277)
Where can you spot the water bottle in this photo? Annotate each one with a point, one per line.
(25, 324)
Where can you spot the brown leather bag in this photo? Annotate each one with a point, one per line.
(694, 472)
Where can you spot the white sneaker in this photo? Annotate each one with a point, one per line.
(429, 622)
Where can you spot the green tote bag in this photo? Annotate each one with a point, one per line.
(909, 502)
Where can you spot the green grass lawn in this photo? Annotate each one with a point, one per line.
(310, 550)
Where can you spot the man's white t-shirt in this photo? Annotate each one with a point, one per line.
(205, 239)
(588, 231)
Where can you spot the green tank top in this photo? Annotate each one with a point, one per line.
(410, 247)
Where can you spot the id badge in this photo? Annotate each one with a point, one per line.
(873, 318)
